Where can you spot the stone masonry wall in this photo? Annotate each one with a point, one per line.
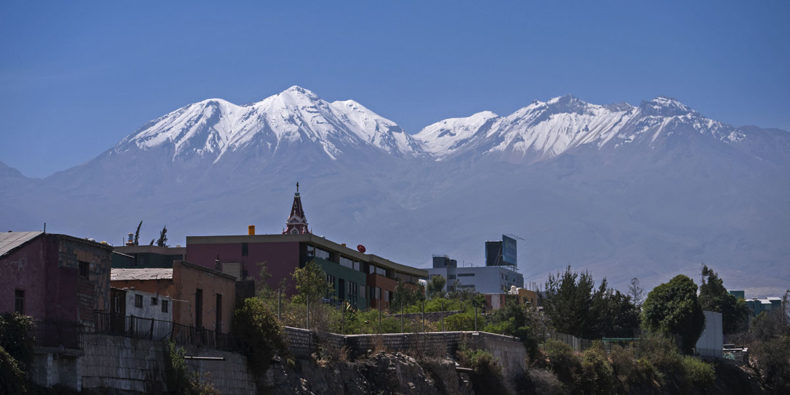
(508, 350)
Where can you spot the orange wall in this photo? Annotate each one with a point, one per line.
(189, 278)
(182, 290)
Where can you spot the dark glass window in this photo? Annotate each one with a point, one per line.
(138, 300)
(164, 306)
(85, 269)
(244, 249)
(154, 301)
(19, 301)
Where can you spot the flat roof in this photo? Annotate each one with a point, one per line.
(151, 249)
(312, 239)
(141, 274)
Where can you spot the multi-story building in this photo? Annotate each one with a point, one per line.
(497, 277)
(365, 280)
(54, 277)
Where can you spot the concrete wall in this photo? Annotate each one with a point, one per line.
(711, 341)
(149, 310)
(228, 375)
(136, 366)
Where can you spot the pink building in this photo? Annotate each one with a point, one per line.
(53, 277)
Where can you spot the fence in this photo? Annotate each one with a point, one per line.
(576, 343)
(153, 329)
(67, 334)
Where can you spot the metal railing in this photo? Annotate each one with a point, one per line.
(67, 334)
(153, 329)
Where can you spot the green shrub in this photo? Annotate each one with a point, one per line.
(772, 359)
(597, 375)
(487, 374)
(632, 372)
(12, 378)
(258, 333)
(16, 337)
(698, 372)
(179, 379)
(561, 360)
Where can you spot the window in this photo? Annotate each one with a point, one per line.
(164, 306)
(199, 308)
(244, 249)
(319, 253)
(138, 300)
(466, 274)
(345, 262)
(19, 301)
(85, 269)
(218, 316)
(154, 301)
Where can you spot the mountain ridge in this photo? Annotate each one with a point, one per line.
(624, 191)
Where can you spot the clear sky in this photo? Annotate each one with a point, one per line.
(76, 77)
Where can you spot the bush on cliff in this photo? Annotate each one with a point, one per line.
(12, 378)
(258, 333)
(16, 337)
(486, 373)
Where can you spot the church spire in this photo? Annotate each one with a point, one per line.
(297, 221)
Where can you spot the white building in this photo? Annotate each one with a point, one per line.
(482, 279)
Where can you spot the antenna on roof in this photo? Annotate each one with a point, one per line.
(45, 227)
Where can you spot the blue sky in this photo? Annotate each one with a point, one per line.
(75, 78)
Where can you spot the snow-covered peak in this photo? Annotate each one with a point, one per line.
(664, 107)
(214, 127)
(444, 137)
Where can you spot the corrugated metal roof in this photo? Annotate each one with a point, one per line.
(11, 240)
(141, 274)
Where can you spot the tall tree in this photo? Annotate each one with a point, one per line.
(714, 297)
(672, 309)
(137, 233)
(636, 292)
(568, 302)
(576, 307)
(162, 241)
(311, 284)
(436, 285)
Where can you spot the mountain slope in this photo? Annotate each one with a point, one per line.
(214, 128)
(624, 191)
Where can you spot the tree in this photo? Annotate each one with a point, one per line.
(568, 300)
(311, 284)
(137, 233)
(672, 309)
(162, 241)
(516, 319)
(436, 286)
(259, 334)
(714, 297)
(636, 292)
(405, 296)
(577, 308)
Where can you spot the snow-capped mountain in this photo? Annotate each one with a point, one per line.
(214, 128)
(624, 191)
(547, 129)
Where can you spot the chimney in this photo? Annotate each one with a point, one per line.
(251, 230)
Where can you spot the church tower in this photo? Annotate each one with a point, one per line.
(297, 222)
